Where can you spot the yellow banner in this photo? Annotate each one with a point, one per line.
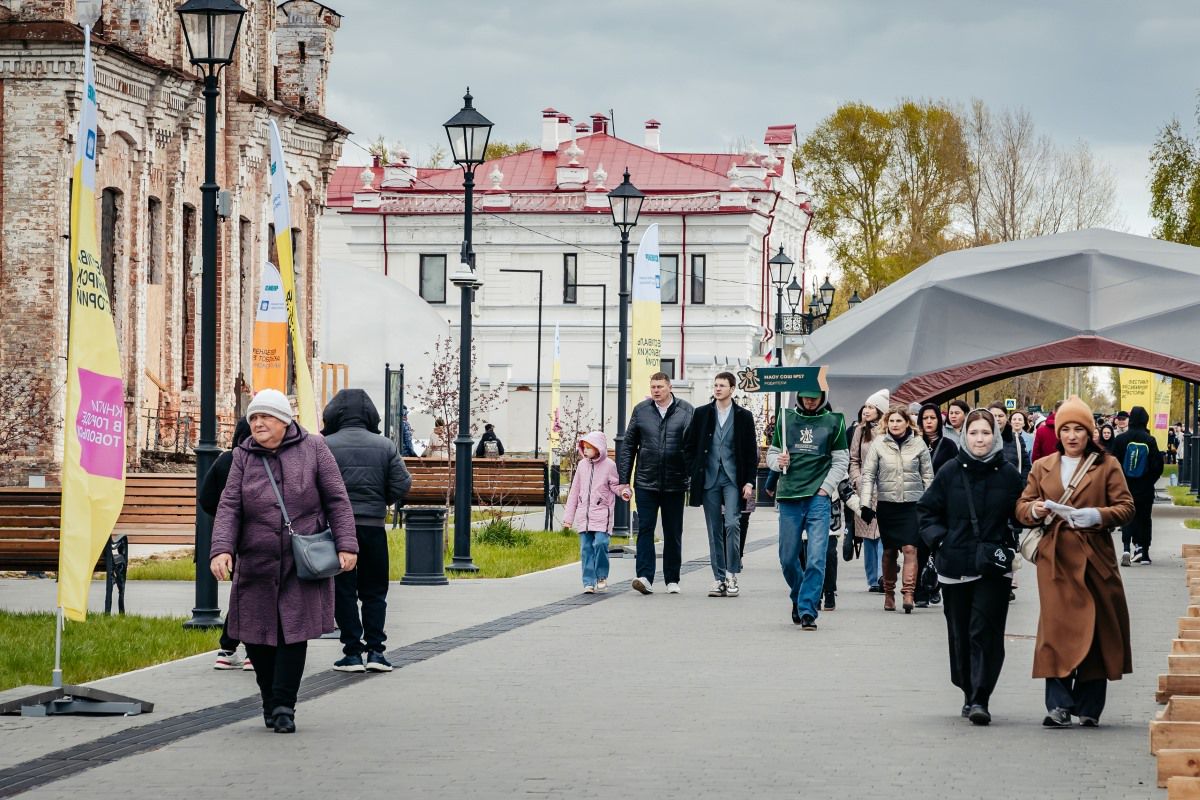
(305, 400)
(270, 334)
(646, 356)
(1160, 417)
(93, 471)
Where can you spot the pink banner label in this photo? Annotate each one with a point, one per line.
(100, 425)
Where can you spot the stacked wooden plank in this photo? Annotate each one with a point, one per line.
(1175, 733)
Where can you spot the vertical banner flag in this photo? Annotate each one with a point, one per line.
(270, 334)
(93, 471)
(1160, 416)
(283, 248)
(1137, 389)
(646, 357)
(555, 411)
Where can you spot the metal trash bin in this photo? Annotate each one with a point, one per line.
(424, 549)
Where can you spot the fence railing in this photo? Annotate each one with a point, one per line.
(178, 432)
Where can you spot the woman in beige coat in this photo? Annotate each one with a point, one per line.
(896, 472)
(1083, 630)
(868, 429)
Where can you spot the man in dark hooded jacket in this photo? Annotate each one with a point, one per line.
(375, 478)
(1137, 452)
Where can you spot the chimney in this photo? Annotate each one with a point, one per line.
(599, 123)
(565, 128)
(653, 135)
(581, 129)
(549, 130)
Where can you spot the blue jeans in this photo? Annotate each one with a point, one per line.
(593, 553)
(809, 514)
(872, 555)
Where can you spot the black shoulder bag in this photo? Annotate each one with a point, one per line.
(991, 558)
(316, 554)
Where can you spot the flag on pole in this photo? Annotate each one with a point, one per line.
(93, 472)
(646, 358)
(283, 246)
(270, 334)
(555, 410)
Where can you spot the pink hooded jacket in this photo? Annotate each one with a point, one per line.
(594, 488)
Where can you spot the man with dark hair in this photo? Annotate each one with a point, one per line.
(1142, 462)
(654, 444)
(956, 414)
(723, 455)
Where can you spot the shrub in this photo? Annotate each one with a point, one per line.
(500, 532)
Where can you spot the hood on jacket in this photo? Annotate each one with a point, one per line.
(964, 451)
(921, 420)
(596, 439)
(241, 431)
(350, 408)
(1139, 418)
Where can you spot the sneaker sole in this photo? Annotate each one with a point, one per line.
(355, 668)
(1050, 724)
(1125, 559)
(378, 668)
(643, 588)
(979, 719)
(227, 666)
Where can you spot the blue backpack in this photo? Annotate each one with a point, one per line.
(1137, 455)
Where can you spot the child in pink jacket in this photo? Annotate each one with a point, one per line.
(590, 508)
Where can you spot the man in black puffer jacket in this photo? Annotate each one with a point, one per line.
(375, 478)
(654, 439)
(1142, 462)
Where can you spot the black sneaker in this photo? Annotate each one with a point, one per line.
(966, 711)
(935, 599)
(352, 663)
(1089, 722)
(876, 588)
(830, 601)
(807, 623)
(922, 604)
(795, 615)
(1058, 718)
(1012, 596)
(979, 715)
(285, 719)
(377, 663)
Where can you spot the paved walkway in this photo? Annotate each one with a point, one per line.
(642, 696)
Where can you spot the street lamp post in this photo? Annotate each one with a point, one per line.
(781, 274)
(537, 398)
(210, 28)
(468, 131)
(603, 287)
(626, 203)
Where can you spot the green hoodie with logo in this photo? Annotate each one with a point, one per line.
(820, 456)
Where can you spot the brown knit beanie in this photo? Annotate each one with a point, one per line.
(1074, 410)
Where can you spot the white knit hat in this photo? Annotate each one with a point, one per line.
(273, 402)
(880, 400)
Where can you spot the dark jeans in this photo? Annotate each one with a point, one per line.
(649, 504)
(278, 670)
(228, 643)
(831, 563)
(367, 582)
(976, 613)
(1139, 530)
(1081, 698)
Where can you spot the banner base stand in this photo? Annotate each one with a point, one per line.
(46, 701)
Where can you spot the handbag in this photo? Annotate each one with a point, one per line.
(991, 558)
(315, 554)
(1033, 536)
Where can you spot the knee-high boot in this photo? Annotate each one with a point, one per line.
(910, 577)
(890, 571)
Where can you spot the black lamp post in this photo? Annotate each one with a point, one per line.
(468, 131)
(781, 274)
(537, 398)
(603, 287)
(626, 203)
(210, 28)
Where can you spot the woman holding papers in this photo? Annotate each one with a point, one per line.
(1077, 495)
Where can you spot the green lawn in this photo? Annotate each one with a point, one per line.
(1182, 496)
(545, 549)
(94, 649)
(1194, 524)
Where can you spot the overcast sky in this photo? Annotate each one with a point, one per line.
(714, 71)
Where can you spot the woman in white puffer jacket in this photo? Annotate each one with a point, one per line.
(895, 475)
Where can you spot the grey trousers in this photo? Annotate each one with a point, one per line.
(722, 512)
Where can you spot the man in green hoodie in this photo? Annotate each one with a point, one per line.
(809, 451)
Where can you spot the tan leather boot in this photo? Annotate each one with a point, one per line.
(909, 586)
(890, 571)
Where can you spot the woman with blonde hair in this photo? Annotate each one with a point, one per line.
(1078, 494)
(897, 471)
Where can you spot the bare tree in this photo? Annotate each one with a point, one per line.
(29, 404)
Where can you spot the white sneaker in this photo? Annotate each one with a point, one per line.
(589, 589)
(644, 586)
(227, 659)
(1125, 559)
(246, 665)
(717, 590)
(731, 586)
(602, 585)
(672, 588)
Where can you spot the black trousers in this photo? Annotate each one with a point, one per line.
(650, 504)
(831, 563)
(976, 614)
(368, 583)
(228, 643)
(745, 528)
(1139, 530)
(278, 670)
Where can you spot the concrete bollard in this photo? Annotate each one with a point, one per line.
(424, 559)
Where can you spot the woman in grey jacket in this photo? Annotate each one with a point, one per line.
(896, 473)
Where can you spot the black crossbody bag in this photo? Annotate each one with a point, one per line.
(991, 558)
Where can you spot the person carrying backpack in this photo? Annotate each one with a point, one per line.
(1142, 462)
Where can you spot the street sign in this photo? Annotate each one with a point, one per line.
(782, 379)
(1010, 403)
(1035, 410)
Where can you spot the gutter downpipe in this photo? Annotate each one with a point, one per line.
(383, 216)
(765, 294)
(683, 304)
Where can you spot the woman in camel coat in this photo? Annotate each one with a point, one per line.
(1083, 630)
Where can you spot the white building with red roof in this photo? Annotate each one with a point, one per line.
(720, 217)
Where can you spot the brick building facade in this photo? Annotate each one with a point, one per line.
(150, 166)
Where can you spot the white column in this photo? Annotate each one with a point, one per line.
(498, 374)
(596, 391)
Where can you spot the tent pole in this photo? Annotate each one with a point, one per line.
(56, 676)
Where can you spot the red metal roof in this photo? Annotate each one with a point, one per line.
(780, 134)
(348, 180)
(719, 163)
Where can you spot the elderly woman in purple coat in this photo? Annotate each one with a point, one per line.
(270, 609)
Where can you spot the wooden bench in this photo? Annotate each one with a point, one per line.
(495, 482)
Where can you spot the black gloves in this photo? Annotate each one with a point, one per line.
(868, 516)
